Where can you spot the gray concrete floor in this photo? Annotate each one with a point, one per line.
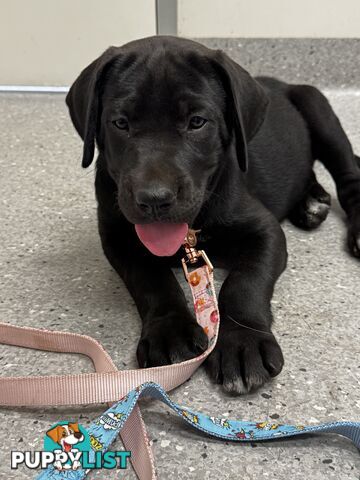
(53, 274)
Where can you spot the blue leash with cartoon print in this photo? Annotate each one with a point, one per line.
(106, 428)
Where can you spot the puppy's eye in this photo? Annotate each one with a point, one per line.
(196, 122)
(121, 123)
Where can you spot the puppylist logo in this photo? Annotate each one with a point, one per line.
(69, 447)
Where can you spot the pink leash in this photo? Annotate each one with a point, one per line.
(108, 384)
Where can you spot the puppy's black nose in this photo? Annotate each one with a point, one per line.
(152, 199)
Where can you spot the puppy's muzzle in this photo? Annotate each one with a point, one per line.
(154, 200)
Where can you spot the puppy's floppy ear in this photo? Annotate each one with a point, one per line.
(74, 426)
(83, 102)
(248, 103)
(55, 433)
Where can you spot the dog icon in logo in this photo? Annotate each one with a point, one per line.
(67, 436)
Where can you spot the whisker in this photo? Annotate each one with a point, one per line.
(249, 328)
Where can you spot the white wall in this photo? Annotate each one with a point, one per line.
(48, 42)
(269, 18)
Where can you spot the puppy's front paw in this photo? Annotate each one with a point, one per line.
(58, 465)
(243, 360)
(76, 465)
(170, 339)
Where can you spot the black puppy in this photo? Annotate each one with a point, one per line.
(177, 126)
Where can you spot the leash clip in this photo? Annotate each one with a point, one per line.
(192, 254)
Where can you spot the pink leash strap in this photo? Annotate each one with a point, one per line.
(133, 434)
(108, 384)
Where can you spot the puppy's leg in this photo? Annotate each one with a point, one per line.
(314, 207)
(247, 353)
(332, 147)
(170, 333)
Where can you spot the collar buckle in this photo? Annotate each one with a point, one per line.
(192, 254)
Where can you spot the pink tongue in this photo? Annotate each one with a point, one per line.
(162, 239)
(67, 447)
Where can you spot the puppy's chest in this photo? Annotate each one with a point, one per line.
(204, 237)
(214, 247)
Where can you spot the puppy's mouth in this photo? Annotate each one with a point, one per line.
(67, 447)
(162, 239)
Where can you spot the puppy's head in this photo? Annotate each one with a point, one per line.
(166, 115)
(66, 435)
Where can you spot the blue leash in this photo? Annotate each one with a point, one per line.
(234, 430)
